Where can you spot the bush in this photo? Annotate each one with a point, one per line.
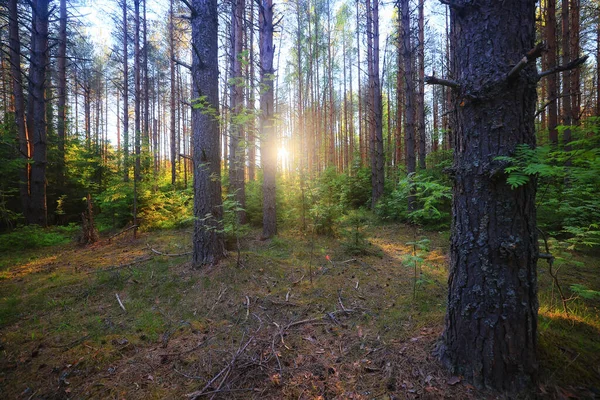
(432, 200)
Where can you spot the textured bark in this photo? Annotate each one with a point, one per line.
(173, 93)
(37, 104)
(251, 99)
(208, 244)
(421, 92)
(550, 34)
(267, 118)
(576, 72)
(125, 96)
(236, 105)
(377, 156)
(399, 97)
(137, 93)
(409, 95)
(361, 144)
(62, 91)
(491, 321)
(567, 115)
(25, 145)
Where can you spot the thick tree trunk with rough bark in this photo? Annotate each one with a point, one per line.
(37, 119)
(491, 321)
(267, 118)
(208, 244)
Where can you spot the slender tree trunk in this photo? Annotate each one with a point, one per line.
(173, 98)
(421, 92)
(25, 144)
(208, 244)
(399, 100)
(237, 118)
(251, 100)
(62, 91)
(146, 96)
(125, 96)
(491, 321)
(267, 118)
(575, 73)
(409, 96)
(566, 75)
(361, 144)
(377, 156)
(550, 33)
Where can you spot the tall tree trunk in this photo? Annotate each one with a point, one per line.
(37, 100)
(399, 90)
(208, 244)
(237, 118)
(62, 91)
(146, 96)
(421, 92)
(575, 73)
(491, 321)
(361, 144)
(377, 156)
(125, 96)
(409, 96)
(25, 144)
(173, 98)
(251, 99)
(566, 75)
(550, 34)
(267, 118)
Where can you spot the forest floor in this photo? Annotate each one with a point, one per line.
(116, 320)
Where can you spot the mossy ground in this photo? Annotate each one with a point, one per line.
(269, 330)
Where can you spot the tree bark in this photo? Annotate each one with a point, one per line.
(125, 96)
(377, 156)
(173, 93)
(491, 321)
(25, 144)
(421, 92)
(267, 118)
(550, 34)
(237, 118)
(208, 244)
(62, 91)
(409, 96)
(37, 103)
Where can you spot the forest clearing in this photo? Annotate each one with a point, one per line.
(260, 329)
(299, 199)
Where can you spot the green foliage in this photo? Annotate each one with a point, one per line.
(33, 237)
(584, 292)
(568, 181)
(432, 199)
(415, 259)
(354, 240)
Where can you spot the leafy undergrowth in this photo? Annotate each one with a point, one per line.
(260, 329)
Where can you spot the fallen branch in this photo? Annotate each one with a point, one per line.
(115, 267)
(120, 302)
(122, 232)
(226, 371)
(160, 253)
